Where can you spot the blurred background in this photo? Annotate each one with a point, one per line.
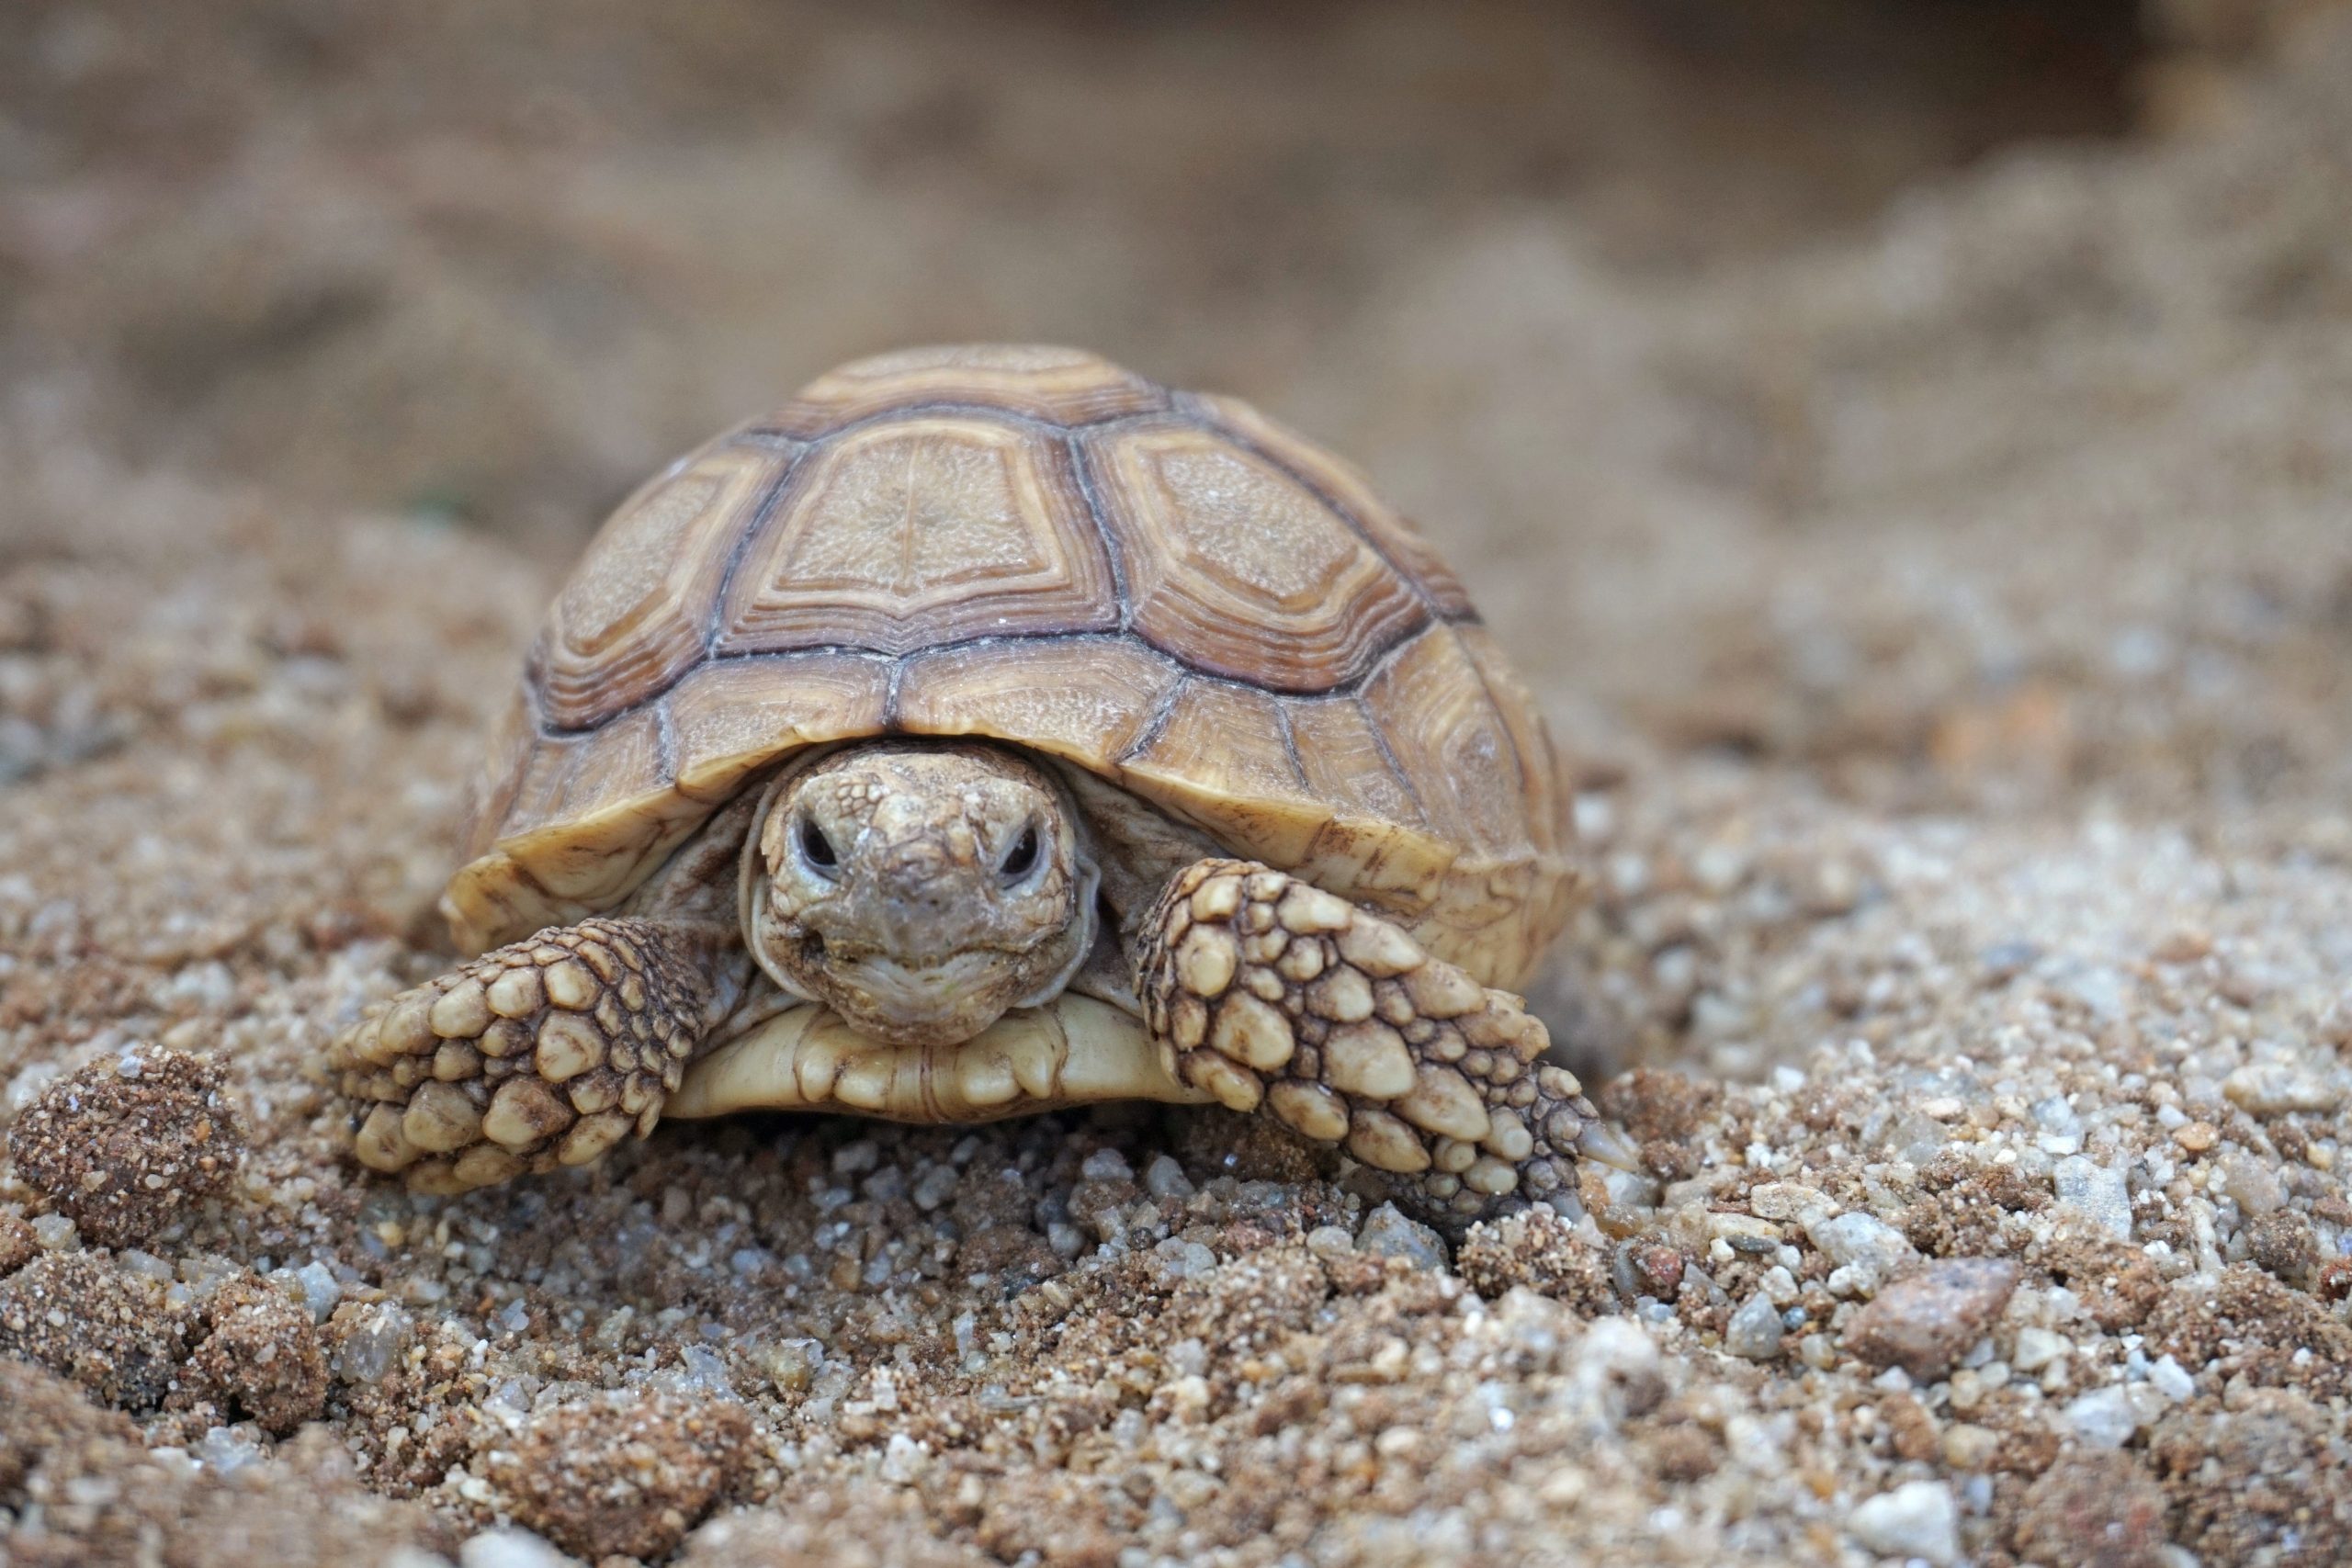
(1946, 398)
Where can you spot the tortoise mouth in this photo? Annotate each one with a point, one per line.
(1072, 1051)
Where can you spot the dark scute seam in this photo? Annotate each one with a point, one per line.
(1381, 658)
(762, 511)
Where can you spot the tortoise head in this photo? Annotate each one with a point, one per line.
(919, 889)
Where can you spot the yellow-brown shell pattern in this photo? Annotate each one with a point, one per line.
(1036, 546)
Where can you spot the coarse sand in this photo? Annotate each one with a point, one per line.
(1948, 615)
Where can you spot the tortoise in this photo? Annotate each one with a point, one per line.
(987, 730)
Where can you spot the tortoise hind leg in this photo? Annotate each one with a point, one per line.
(1272, 993)
(544, 1052)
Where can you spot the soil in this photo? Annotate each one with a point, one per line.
(1922, 510)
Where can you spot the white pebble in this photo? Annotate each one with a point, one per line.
(321, 1290)
(1107, 1165)
(2096, 1190)
(1329, 1241)
(1917, 1520)
(1871, 1247)
(2036, 1347)
(2172, 1379)
(1754, 1330)
(2105, 1417)
(509, 1549)
(903, 1460)
(225, 1450)
(1163, 1178)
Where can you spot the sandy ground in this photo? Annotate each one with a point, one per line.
(1941, 577)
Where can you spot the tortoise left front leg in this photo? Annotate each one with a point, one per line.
(1272, 993)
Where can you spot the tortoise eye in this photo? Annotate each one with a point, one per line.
(1021, 859)
(817, 849)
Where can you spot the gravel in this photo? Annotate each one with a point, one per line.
(1944, 618)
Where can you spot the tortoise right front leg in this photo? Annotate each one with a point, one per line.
(1271, 994)
(544, 1052)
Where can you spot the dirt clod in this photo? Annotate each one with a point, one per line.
(627, 1474)
(263, 1358)
(1541, 1251)
(16, 1243)
(2097, 1510)
(128, 1143)
(107, 1328)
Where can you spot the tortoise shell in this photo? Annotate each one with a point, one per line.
(1035, 546)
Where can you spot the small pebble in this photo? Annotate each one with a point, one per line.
(1389, 1234)
(1925, 1322)
(321, 1290)
(1107, 1165)
(1917, 1520)
(373, 1345)
(2036, 1347)
(2098, 1192)
(2252, 1182)
(935, 1186)
(1755, 1331)
(509, 1549)
(1869, 1246)
(225, 1450)
(1329, 1241)
(2107, 1417)
(2273, 1089)
(1163, 1178)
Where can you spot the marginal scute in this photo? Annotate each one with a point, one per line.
(733, 716)
(1459, 754)
(1346, 763)
(1221, 760)
(1084, 698)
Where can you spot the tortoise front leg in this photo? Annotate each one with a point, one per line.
(542, 1054)
(1271, 993)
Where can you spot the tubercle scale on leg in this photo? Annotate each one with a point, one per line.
(1269, 993)
(544, 1052)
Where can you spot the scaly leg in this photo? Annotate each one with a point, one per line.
(1269, 993)
(542, 1054)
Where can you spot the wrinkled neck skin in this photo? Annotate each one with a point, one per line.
(918, 889)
